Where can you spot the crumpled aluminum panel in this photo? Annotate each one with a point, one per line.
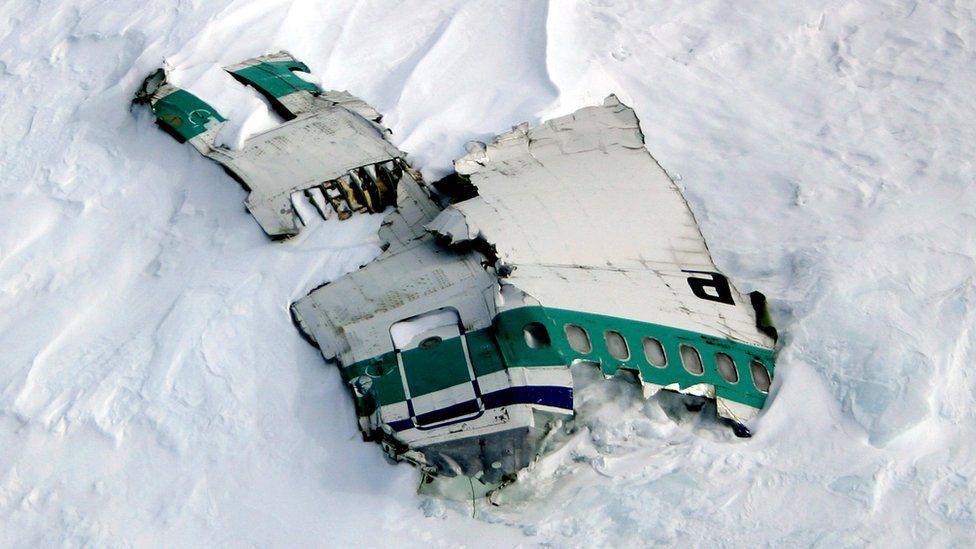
(330, 151)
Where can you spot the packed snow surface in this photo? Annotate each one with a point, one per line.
(153, 390)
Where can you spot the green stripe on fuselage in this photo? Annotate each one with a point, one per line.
(517, 353)
(503, 345)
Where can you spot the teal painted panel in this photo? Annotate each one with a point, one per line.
(435, 368)
(386, 383)
(185, 114)
(509, 332)
(486, 357)
(276, 78)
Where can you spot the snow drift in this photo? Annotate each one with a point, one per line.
(154, 391)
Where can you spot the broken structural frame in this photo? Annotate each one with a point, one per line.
(331, 149)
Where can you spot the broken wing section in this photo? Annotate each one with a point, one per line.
(331, 151)
(584, 220)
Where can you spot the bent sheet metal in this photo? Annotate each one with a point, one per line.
(331, 148)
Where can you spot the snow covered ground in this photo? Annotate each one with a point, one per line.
(154, 392)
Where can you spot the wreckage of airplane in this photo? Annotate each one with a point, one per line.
(552, 246)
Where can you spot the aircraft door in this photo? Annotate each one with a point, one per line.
(435, 368)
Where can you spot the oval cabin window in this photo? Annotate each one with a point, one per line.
(760, 376)
(617, 345)
(578, 339)
(654, 352)
(691, 360)
(726, 367)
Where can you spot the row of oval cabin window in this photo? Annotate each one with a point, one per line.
(536, 336)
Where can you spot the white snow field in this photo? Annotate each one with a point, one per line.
(153, 391)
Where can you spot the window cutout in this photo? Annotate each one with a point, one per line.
(536, 335)
(691, 360)
(617, 345)
(760, 376)
(726, 367)
(578, 339)
(654, 352)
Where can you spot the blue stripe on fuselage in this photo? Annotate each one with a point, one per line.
(543, 395)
